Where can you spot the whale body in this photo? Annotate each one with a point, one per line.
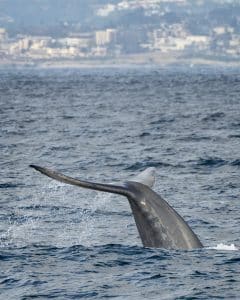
(158, 224)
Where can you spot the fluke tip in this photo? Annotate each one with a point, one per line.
(35, 167)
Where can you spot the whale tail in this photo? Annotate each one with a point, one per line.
(159, 225)
(146, 177)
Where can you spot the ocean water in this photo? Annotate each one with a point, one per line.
(107, 124)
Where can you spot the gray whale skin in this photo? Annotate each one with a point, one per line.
(158, 224)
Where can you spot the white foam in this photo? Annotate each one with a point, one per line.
(225, 247)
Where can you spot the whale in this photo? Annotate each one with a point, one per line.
(159, 225)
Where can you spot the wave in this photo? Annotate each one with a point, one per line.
(214, 162)
(10, 185)
(235, 162)
(214, 116)
(146, 164)
(211, 162)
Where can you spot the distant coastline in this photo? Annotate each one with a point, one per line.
(155, 59)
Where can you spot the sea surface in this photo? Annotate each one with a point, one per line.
(107, 124)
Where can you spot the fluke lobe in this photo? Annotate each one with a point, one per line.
(158, 224)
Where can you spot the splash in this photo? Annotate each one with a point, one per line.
(225, 247)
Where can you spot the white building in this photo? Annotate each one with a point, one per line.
(106, 10)
(3, 44)
(172, 43)
(24, 44)
(40, 42)
(3, 34)
(63, 52)
(76, 42)
(219, 30)
(105, 37)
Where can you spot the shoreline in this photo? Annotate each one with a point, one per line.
(121, 62)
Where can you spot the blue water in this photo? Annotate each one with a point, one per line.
(62, 242)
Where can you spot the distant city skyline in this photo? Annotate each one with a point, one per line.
(45, 31)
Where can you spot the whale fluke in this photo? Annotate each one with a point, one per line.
(158, 224)
(110, 188)
(147, 177)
